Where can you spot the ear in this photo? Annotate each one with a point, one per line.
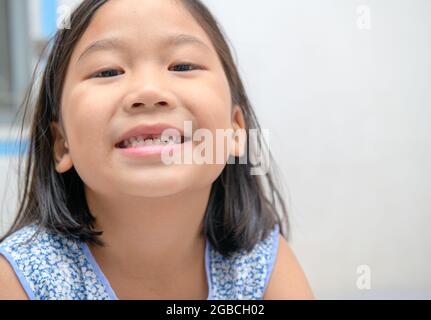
(62, 158)
(237, 148)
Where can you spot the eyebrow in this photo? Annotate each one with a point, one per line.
(113, 43)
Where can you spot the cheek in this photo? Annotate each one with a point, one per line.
(212, 103)
(87, 115)
(216, 116)
(209, 101)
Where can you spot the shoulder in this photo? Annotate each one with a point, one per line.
(245, 274)
(287, 280)
(10, 286)
(33, 258)
(12, 281)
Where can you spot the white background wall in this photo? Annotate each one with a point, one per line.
(349, 112)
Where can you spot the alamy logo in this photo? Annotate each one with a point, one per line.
(363, 282)
(363, 21)
(64, 13)
(202, 147)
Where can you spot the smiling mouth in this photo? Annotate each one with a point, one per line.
(151, 140)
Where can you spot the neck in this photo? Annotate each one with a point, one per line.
(150, 235)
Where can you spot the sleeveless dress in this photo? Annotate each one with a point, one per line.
(54, 267)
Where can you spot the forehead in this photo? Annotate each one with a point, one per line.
(147, 22)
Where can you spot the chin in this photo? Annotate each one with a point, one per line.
(152, 186)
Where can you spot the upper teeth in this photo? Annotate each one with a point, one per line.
(164, 140)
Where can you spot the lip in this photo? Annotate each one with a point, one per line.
(144, 129)
(149, 151)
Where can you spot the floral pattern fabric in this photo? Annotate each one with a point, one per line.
(51, 266)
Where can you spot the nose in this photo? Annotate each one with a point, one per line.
(148, 92)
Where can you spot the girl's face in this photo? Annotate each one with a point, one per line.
(124, 72)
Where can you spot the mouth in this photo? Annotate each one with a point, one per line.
(151, 140)
(151, 135)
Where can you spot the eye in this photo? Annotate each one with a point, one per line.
(107, 74)
(185, 67)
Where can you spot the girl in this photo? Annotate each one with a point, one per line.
(101, 216)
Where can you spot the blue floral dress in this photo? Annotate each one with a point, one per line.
(54, 267)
